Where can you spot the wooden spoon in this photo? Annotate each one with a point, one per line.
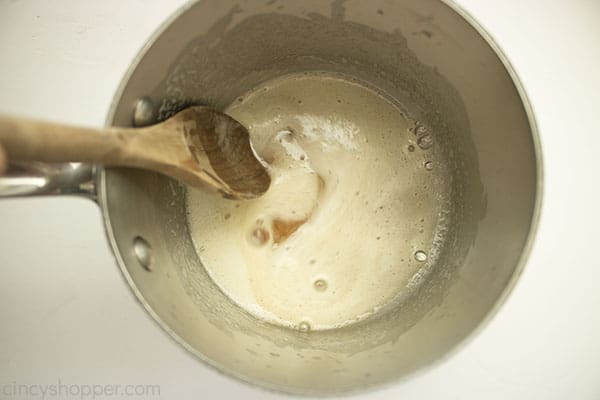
(198, 146)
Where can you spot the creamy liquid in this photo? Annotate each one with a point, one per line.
(350, 215)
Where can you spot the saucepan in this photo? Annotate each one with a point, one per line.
(428, 57)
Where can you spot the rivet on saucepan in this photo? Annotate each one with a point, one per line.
(143, 252)
(420, 256)
(144, 112)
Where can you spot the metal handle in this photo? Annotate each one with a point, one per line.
(35, 178)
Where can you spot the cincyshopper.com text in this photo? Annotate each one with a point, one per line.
(62, 390)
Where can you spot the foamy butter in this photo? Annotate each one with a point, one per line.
(333, 239)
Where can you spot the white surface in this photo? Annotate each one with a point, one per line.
(67, 314)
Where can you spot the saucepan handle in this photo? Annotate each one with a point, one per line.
(35, 178)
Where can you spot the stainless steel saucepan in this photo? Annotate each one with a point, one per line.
(426, 54)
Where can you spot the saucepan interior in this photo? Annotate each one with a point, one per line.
(422, 54)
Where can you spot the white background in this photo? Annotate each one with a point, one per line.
(67, 314)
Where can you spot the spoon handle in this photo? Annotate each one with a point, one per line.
(29, 140)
